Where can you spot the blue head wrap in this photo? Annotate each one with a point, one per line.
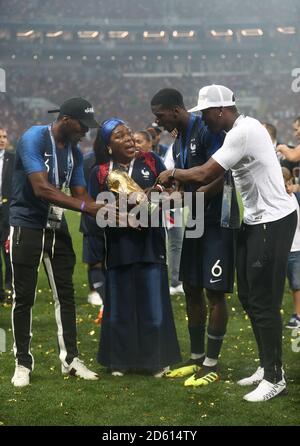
(108, 126)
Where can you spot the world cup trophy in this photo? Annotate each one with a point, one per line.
(120, 182)
(122, 185)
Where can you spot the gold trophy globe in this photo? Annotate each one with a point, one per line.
(119, 182)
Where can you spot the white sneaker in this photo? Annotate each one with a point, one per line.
(256, 378)
(161, 373)
(265, 391)
(176, 290)
(77, 368)
(94, 298)
(117, 373)
(21, 376)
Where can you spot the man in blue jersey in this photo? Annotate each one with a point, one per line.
(48, 164)
(207, 263)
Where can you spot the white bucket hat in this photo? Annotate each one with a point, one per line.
(214, 96)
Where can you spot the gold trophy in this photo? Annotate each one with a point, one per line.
(119, 182)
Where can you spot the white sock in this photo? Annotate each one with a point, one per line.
(197, 355)
(209, 362)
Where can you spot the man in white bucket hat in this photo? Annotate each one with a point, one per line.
(267, 230)
(214, 96)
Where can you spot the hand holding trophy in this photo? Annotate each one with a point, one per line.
(123, 186)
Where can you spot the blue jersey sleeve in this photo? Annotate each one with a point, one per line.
(204, 136)
(215, 142)
(77, 178)
(31, 149)
(209, 140)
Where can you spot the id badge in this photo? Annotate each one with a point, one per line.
(226, 206)
(55, 215)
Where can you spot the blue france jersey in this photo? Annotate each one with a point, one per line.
(125, 246)
(34, 154)
(201, 145)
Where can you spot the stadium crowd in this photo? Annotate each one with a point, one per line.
(128, 97)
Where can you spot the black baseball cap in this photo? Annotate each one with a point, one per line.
(80, 109)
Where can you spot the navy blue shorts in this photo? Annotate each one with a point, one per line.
(293, 270)
(92, 249)
(209, 262)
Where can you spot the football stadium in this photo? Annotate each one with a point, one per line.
(149, 216)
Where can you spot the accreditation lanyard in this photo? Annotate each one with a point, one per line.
(111, 165)
(70, 163)
(230, 216)
(184, 147)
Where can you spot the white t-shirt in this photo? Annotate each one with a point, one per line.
(296, 241)
(248, 151)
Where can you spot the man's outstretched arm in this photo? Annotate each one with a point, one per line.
(46, 191)
(204, 174)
